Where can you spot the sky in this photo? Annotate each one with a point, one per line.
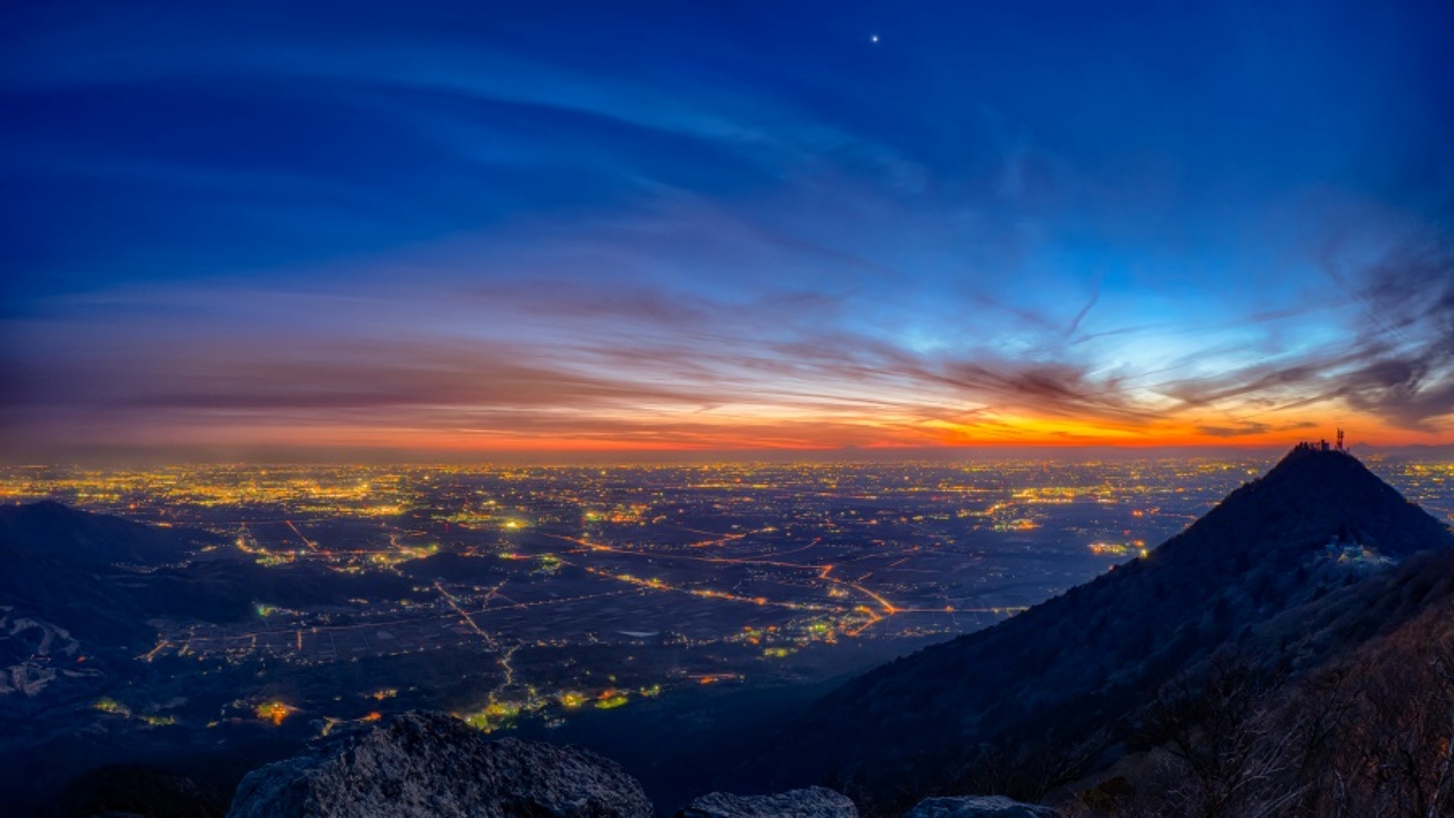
(545, 227)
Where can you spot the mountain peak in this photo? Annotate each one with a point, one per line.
(1315, 495)
(1313, 461)
(1092, 655)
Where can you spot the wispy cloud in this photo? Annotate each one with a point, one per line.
(488, 232)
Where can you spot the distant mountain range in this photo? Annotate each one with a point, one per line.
(1293, 568)
(1415, 452)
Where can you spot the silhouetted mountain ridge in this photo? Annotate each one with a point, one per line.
(62, 564)
(50, 529)
(1088, 658)
(81, 571)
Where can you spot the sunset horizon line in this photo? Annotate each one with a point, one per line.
(283, 456)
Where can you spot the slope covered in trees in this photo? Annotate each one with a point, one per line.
(1036, 691)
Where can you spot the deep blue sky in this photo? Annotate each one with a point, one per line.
(727, 225)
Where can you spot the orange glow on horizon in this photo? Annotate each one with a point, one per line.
(685, 433)
(966, 439)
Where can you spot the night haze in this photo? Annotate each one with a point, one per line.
(561, 229)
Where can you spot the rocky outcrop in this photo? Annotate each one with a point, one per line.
(978, 806)
(813, 802)
(430, 764)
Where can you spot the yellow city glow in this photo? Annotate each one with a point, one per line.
(275, 712)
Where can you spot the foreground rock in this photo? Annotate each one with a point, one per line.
(813, 802)
(430, 764)
(978, 806)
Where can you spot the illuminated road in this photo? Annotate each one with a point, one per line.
(468, 620)
(305, 540)
(889, 609)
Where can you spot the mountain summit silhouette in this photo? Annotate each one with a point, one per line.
(1319, 520)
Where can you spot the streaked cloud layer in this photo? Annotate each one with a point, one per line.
(566, 227)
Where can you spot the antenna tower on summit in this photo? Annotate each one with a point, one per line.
(1340, 440)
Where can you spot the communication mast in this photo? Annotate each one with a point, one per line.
(1340, 440)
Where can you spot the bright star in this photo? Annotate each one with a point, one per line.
(873, 38)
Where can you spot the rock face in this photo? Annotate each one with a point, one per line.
(978, 806)
(813, 802)
(431, 765)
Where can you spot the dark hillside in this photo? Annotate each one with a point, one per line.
(1087, 659)
(52, 530)
(1356, 719)
(102, 577)
(1313, 634)
(62, 564)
